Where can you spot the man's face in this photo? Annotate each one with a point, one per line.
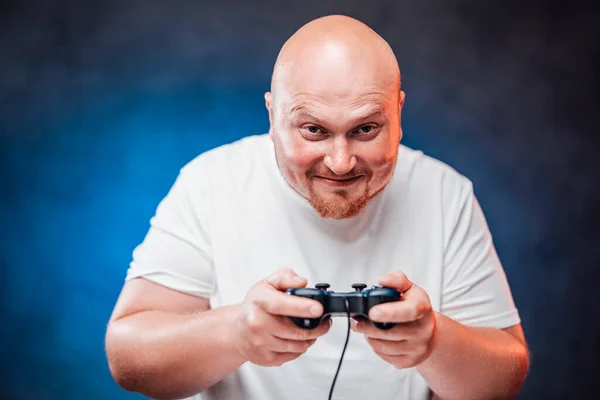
(336, 151)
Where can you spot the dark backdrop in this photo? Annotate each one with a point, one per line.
(101, 102)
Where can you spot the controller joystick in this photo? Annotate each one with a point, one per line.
(359, 286)
(334, 304)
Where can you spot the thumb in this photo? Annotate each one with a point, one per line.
(396, 280)
(286, 278)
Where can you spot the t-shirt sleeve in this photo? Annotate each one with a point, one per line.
(475, 288)
(175, 251)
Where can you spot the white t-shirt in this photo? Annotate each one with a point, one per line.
(231, 219)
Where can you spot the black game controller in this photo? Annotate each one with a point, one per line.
(334, 304)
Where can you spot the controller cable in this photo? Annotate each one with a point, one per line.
(343, 351)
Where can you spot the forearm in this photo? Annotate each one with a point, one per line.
(474, 363)
(167, 356)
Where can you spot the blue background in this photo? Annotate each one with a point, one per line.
(101, 103)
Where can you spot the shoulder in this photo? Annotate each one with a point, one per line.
(431, 175)
(224, 171)
(439, 191)
(233, 155)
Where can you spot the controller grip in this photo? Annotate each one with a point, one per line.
(306, 323)
(384, 325)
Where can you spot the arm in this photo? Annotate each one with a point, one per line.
(167, 344)
(457, 361)
(473, 357)
(163, 340)
(460, 351)
(475, 363)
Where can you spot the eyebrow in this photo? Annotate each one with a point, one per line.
(301, 111)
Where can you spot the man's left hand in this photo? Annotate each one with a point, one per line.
(411, 341)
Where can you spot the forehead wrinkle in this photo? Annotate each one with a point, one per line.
(307, 101)
(301, 110)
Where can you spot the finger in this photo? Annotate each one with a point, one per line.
(412, 308)
(396, 280)
(397, 333)
(286, 329)
(282, 358)
(285, 278)
(402, 361)
(278, 303)
(389, 347)
(279, 345)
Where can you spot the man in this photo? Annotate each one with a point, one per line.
(329, 195)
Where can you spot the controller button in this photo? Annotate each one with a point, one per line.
(322, 286)
(358, 286)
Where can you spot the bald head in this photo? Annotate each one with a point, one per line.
(334, 54)
(334, 110)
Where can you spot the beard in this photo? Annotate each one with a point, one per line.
(340, 204)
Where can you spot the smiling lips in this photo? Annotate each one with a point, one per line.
(338, 181)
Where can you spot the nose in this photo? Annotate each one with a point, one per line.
(340, 159)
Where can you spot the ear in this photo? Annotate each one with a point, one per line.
(400, 106)
(269, 105)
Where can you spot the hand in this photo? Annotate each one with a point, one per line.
(264, 332)
(411, 341)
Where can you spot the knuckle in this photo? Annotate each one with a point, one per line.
(398, 274)
(270, 357)
(292, 346)
(249, 319)
(253, 322)
(300, 347)
(257, 290)
(301, 334)
(256, 301)
(390, 334)
(284, 272)
(289, 347)
(257, 341)
(424, 308)
(254, 329)
(413, 311)
(324, 328)
(271, 307)
(263, 302)
(375, 345)
(422, 348)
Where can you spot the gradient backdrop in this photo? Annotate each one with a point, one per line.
(101, 103)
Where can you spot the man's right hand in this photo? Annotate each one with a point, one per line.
(264, 332)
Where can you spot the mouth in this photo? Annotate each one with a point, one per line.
(339, 181)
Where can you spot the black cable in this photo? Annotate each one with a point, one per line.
(343, 351)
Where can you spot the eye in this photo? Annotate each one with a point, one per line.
(313, 129)
(365, 129)
(313, 132)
